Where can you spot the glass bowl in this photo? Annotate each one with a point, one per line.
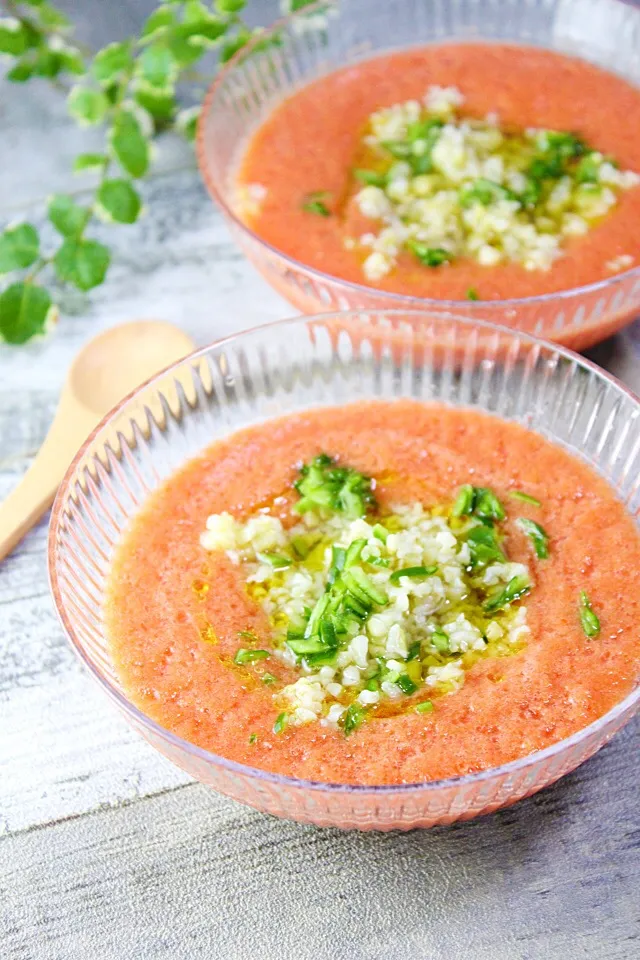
(308, 362)
(334, 34)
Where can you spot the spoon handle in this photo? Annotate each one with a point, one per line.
(35, 493)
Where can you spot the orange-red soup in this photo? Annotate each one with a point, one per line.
(174, 611)
(310, 142)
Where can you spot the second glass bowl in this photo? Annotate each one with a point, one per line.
(337, 33)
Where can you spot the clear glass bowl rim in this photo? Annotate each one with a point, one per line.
(395, 299)
(232, 766)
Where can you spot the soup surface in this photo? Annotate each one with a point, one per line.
(458, 223)
(199, 640)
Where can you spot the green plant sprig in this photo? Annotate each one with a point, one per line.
(129, 89)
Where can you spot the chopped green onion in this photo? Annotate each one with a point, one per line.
(358, 583)
(425, 707)
(352, 718)
(428, 256)
(516, 588)
(463, 503)
(397, 148)
(281, 722)
(379, 561)
(485, 192)
(268, 679)
(413, 573)
(440, 641)
(414, 650)
(486, 505)
(253, 738)
(324, 485)
(588, 170)
(370, 177)
(472, 294)
(276, 560)
(249, 656)
(247, 635)
(406, 684)
(588, 617)
(372, 684)
(524, 497)
(304, 544)
(483, 546)
(537, 535)
(314, 203)
(353, 552)
(380, 532)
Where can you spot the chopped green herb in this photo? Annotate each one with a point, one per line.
(372, 684)
(428, 256)
(425, 707)
(304, 544)
(588, 617)
(440, 641)
(588, 170)
(486, 505)
(472, 294)
(324, 485)
(250, 656)
(414, 651)
(397, 148)
(484, 546)
(524, 497)
(281, 721)
(379, 561)
(268, 679)
(413, 573)
(485, 192)
(516, 588)
(314, 203)
(253, 738)
(276, 560)
(352, 718)
(406, 684)
(463, 504)
(358, 583)
(380, 532)
(370, 177)
(248, 635)
(537, 535)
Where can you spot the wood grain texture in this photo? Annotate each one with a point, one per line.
(109, 853)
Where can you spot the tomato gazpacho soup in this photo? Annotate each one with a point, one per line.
(473, 170)
(386, 592)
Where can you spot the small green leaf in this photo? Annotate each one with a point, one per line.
(130, 145)
(21, 72)
(158, 66)
(187, 122)
(112, 62)
(89, 161)
(72, 61)
(19, 247)
(120, 201)
(159, 104)
(14, 37)
(159, 20)
(23, 312)
(83, 263)
(87, 106)
(47, 63)
(230, 6)
(52, 18)
(237, 42)
(188, 40)
(67, 216)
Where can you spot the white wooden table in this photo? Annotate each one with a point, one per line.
(110, 853)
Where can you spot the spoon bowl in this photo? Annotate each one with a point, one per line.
(108, 367)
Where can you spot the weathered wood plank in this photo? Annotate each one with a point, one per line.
(190, 874)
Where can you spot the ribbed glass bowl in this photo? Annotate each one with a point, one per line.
(337, 33)
(298, 364)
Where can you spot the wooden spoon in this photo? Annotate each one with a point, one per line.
(108, 368)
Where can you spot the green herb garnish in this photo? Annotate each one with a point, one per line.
(370, 177)
(268, 679)
(425, 707)
(413, 572)
(479, 501)
(352, 718)
(537, 535)
(588, 618)
(253, 738)
(484, 546)
(516, 588)
(440, 641)
(247, 635)
(314, 203)
(281, 721)
(524, 497)
(463, 503)
(485, 192)
(406, 684)
(324, 485)
(249, 656)
(428, 256)
(472, 294)
(276, 560)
